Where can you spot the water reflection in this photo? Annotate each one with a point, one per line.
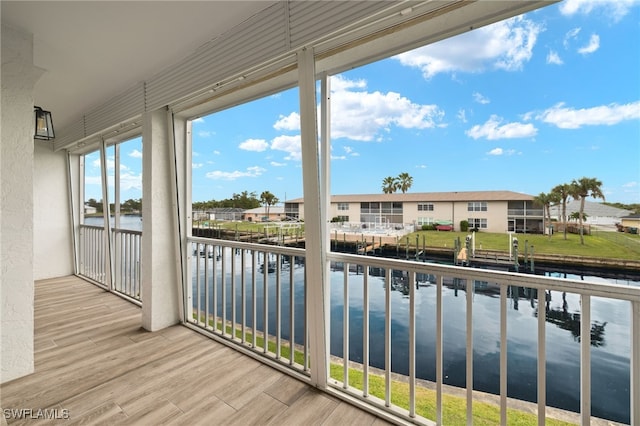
(610, 339)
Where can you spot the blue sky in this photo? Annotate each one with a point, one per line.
(521, 105)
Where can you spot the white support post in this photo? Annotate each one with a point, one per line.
(179, 130)
(160, 298)
(106, 214)
(316, 236)
(75, 205)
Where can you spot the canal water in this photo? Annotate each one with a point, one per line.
(610, 325)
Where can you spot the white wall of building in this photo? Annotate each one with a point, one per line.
(53, 249)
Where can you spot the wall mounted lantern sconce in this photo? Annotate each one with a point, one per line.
(44, 125)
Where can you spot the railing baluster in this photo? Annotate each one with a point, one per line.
(439, 346)
(278, 305)
(206, 286)
(223, 285)
(365, 332)
(345, 326)
(585, 359)
(542, 370)
(387, 337)
(412, 344)
(265, 294)
(233, 293)
(214, 286)
(469, 327)
(292, 304)
(198, 307)
(243, 295)
(503, 354)
(635, 363)
(306, 320)
(254, 295)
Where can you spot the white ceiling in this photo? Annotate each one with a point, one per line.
(94, 50)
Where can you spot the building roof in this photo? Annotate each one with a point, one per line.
(261, 210)
(429, 197)
(591, 209)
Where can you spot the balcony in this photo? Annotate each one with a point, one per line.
(250, 301)
(95, 365)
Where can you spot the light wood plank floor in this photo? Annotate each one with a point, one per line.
(93, 359)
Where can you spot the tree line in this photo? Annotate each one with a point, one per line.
(133, 205)
(245, 200)
(401, 182)
(578, 189)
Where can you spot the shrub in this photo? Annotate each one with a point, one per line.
(464, 225)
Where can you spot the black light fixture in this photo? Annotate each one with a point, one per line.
(44, 125)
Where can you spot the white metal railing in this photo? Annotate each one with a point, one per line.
(93, 261)
(381, 308)
(400, 311)
(250, 294)
(127, 245)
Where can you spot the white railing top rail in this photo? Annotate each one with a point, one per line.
(84, 225)
(127, 231)
(291, 251)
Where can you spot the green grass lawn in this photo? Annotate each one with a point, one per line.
(612, 245)
(453, 407)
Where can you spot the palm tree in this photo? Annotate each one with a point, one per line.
(389, 185)
(581, 189)
(563, 191)
(268, 199)
(404, 182)
(545, 200)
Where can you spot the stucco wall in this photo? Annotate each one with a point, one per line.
(16, 206)
(52, 230)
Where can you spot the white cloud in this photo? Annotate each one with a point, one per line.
(338, 157)
(256, 145)
(421, 166)
(350, 151)
(481, 99)
(504, 45)
(276, 164)
(494, 129)
(631, 184)
(196, 165)
(289, 122)
(288, 144)
(594, 44)
(500, 151)
(462, 115)
(216, 152)
(554, 58)
(130, 181)
(614, 9)
(135, 154)
(362, 115)
(571, 118)
(570, 35)
(205, 133)
(250, 172)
